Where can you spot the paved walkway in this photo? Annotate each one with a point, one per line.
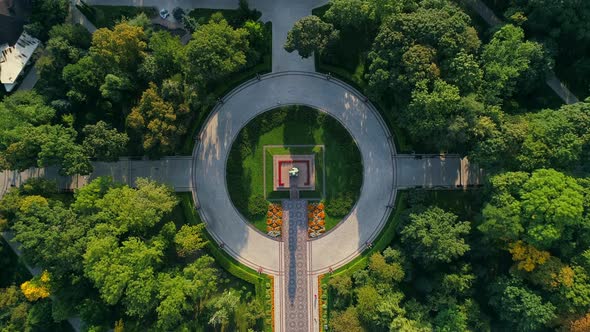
(551, 80)
(436, 171)
(296, 299)
(173, 171)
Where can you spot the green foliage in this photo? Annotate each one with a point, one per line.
(257, 206)
(45, 15)
(189, 240)
(543, 209)
(435, 236)
(215, 51)
(407, 45)
(340, 205)
(520, 307)
(310, 34)
(157, 121)
(136, 210)
(103, 143)
(67, 44)
(508, 58)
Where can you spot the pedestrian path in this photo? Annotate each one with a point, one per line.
(172, 171)
(296, 303)
(436, 171)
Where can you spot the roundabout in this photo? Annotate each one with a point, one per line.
(340, 101)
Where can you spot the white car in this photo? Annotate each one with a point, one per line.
(164, 13)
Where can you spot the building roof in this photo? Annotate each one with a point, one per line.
(13, 59)
(13, 17)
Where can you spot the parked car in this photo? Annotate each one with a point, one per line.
(164, 13)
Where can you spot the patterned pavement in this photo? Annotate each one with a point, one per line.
(296, 309)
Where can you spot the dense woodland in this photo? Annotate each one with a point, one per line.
(515, 255)
(130, 90)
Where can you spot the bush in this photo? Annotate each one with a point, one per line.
(257, 206)
(340, 206)
(178, 14)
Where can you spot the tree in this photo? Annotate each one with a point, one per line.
(385, 272)
(46, 14)
(57, 145)
(87, 197)
(166, 51)
(527, 256)
(103, 143)
(157, 121)
(427, 36)
(437, 116)
(451, 319)
(21, 117)
(122, 47)
(174, 300)
(550, 211)
(581, 324)
(519, 306)
(351, 14)
(435, 236)
(223, 308)
(136, 210)
(36, 288)
(368, 300)
(68, 43)
(51, 236)
(215, 51)
(116, 88)
(347, 320)
(506, 59)
(124, 272)
(310, 34)
(189, 240)
(542, 208)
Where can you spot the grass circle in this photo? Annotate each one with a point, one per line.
(294, 130)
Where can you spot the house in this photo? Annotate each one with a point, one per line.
(16, 46)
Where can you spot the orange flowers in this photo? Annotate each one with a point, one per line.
(316, 224)
(274, 220)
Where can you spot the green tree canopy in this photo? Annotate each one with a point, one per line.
(103, 143)
(435, 236)
(310, 34)
(542, 208)
(215, 51)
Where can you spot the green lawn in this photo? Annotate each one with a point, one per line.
(109, 16)
(294, 125)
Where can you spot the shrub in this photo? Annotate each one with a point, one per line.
(340, 206)
(257, 206)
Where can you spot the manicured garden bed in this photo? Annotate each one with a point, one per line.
(294, 125)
